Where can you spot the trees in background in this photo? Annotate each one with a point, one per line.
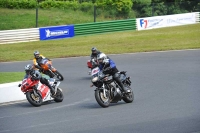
(112, 8)
(147, 8)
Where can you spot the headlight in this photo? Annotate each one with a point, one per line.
(94, 79)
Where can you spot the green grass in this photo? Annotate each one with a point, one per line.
(6, 77)
(26, 18)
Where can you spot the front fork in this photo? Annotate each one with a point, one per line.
(104, 90)
(36, 92)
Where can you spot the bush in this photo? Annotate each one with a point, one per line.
(86, 6)
(18, 4)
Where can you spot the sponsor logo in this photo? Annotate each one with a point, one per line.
(56, 33)
(148, 23)
(143, 23)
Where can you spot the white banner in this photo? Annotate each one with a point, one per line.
(165, 21)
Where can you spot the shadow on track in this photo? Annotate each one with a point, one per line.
(95, 105)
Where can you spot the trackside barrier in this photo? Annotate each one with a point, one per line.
(11, 92)
(56, 32)
(102, 27)
(197, 17)
(167, 21)
(21, 35)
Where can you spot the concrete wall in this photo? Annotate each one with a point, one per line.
(11, 92)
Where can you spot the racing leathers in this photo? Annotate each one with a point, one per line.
(37, 60)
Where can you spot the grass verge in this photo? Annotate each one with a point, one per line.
(7, 77)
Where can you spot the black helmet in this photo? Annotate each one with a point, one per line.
(36, 54)
(94, 50)
(28, 68)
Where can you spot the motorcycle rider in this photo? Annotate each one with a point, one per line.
(93, 56)
(35, 75)
(109, 67)
(37, 58)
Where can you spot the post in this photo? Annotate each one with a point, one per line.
(152, 9)
(94, 13)
(37, 13)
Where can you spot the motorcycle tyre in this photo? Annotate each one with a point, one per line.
(61, 78)
(99, 101)
(127, 99)
(59, 99)
(31, 101)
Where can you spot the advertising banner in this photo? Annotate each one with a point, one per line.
(165, 21)
(56, 32)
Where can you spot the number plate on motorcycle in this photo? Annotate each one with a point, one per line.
(95, 71)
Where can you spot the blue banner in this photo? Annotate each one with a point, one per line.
(56, 32)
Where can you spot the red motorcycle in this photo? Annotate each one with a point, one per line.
(37, 93)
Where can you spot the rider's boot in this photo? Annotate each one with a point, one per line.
(52, 90)
(122, 86)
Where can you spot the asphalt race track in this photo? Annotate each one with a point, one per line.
(166, 86)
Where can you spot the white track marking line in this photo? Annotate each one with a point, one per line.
(11, 103)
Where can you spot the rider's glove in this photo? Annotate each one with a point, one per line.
(37, 66)
(48, 59)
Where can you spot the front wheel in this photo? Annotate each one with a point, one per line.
(101, 99)
(129, 97)
(59, 75)
(34, 100)
(59, 96)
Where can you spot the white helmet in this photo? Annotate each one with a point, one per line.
(101, 58)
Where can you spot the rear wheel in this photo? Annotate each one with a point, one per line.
(59, 96)
(101, 99)
(34, 100)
